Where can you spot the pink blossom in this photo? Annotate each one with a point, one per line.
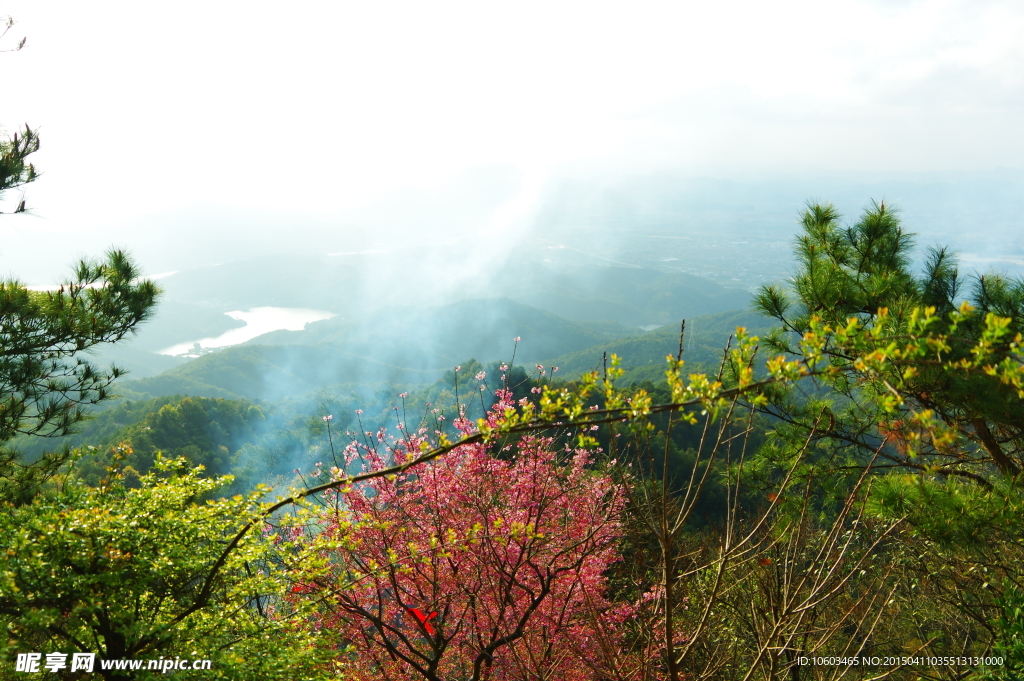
(328, 417)
(507, 556)
(481, 375)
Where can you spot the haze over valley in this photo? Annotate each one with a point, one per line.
(604, 259)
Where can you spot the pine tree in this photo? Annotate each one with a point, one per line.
(14, 170)
(864, 272)
(45, 381)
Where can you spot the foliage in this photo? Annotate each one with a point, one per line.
(987, 515)
(643, 356)
(126, 573)
(912, 359)
(206, 432)
(766, 582)
(1009, 639)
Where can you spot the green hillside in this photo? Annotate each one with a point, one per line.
(269, 373)
(636, 296)
(255, 443)
(643, 356)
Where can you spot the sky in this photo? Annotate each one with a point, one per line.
(155, 116)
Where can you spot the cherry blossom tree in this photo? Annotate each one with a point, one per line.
(472, 566)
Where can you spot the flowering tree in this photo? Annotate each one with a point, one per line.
(471, 567)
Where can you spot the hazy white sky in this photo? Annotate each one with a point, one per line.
(311, 108)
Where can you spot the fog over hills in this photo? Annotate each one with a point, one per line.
(560, 279)
(418, 347)
(594, 259)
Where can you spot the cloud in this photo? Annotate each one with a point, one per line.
(321, 110)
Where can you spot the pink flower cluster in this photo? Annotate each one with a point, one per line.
(501, 560)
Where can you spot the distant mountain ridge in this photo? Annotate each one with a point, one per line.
(635, 296)
(439, 335)
(569, 283)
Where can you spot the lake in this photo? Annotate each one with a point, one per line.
(258, 321)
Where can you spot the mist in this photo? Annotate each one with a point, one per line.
(433, 183)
